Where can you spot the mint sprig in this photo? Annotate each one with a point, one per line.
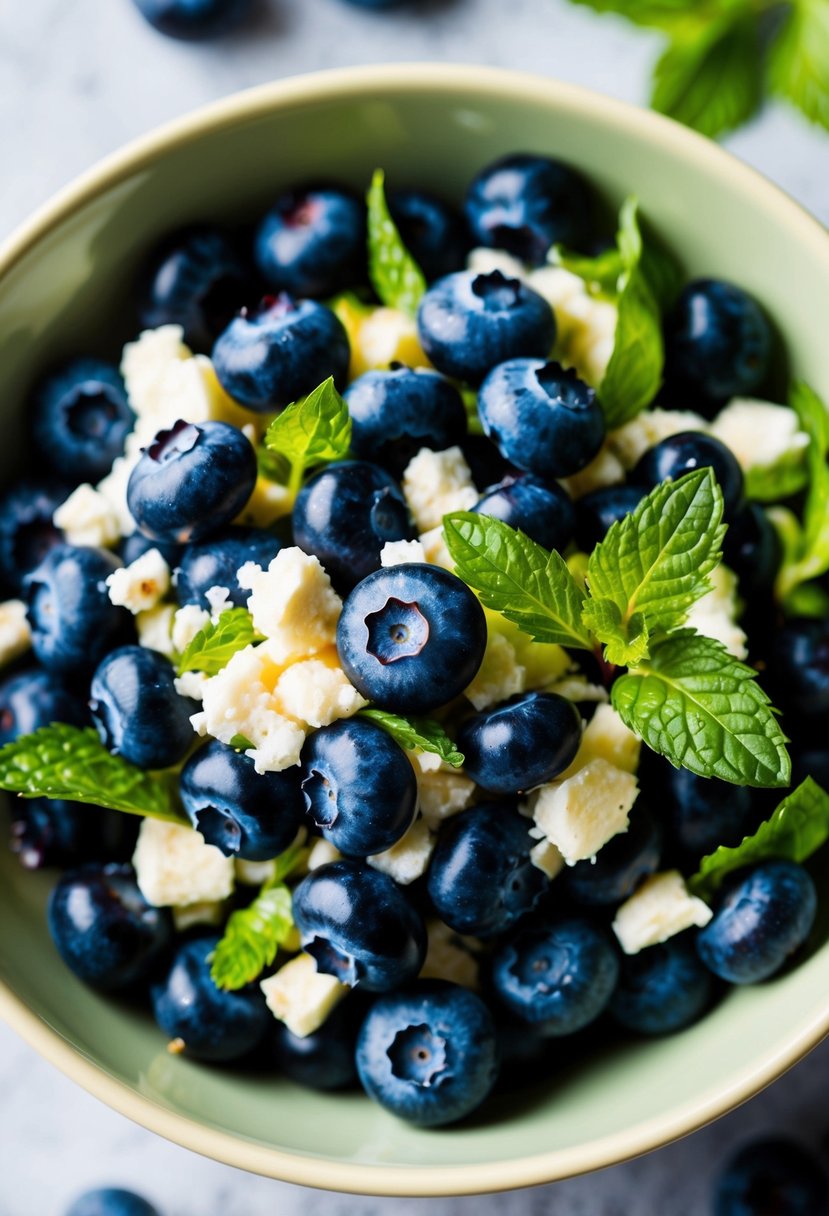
(308, 432)
(395, 275)
(416, 732)
(214, 646)
(806, 546)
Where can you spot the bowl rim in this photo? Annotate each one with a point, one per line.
(362, 1177)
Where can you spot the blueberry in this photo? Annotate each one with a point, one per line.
(428, 1054)
(771, 1177)
(798, 669)
(411, 638)
(525, 204)
(717, 345)
(558, 975)
(521, 743)
(360, 788)
(680, 454)
(80, 419)
(481, 878)
(323, 1060)
(752, 549)
(378, 3)
(344, 516)
(35, 698)
(269, 357)
(217, 561)
(246, 814)
(701, 813)
(432, 231)
(203, 1021)
(662, 989)
(104, 929)
(137, 544)
(765, 915)
(468, 323)
(359, 926)
(137, 711)
(194, 19)
(597, 511)
(543, 418)
(541, 509)
(620, 865)
(313, 242)
(397, 412)
(26, 530)
(191, 480)
(486, 464)
(111, 1201)
(49, 832)
(195, 279)
(73, 622)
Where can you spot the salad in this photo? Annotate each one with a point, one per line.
(418, 644)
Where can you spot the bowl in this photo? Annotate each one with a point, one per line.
(63, 280)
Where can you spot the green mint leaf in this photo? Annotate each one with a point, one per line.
(251, 938)
(796, 829)
(634, 372)
(273, 465)
(774, 482)
(312, 430)
(798, 62)
(423, 733)
(658, 14)
(62, 761)
(664, 274)
(655, 562)
(518, 578)
(806, 549)
(287, 861)
(395, 275)
(241, 743)
(697, 705)
(214, 646)
(625, 642)
(601, 273)
(809, 599)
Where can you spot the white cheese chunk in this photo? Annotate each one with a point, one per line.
(187, 622)
(585, 323)
(211, 912)
(15, 634)
(322, 852)
(145, 362)
(218, 600)
(605, 469)
(759, 433)
(112, 489)
(579, 688)
(484, 261)
(435, 483)
(155, 629)
(632, 440)
(448, 957)
(88, 518)
(317, 691)
(292, 604)
(191, 684)
(399, 552)
(139, 586)
(660, 908)
(580, 814)
(302, 997)
(442, 791)
(434, 549)
(607, 738)
(384, 336)
(175, 867)
(500, 675)
(408, 859)
(546, 857)
(716, 614)
(254, 873)
(269, 502)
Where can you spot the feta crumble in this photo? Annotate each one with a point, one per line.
(399, 552)
(716, 614)
(211, 912)
(15, 634)
(187, 622)
(408, 859)
(155, 629)
(442, 791)
(292, 604)
(607, 738)
(321, 853)
(448, 958)
(139, 586)
(191, 684)
(435, 483)
(88, 518)
(580, 814)
(317, 692)
(605, 469)
(302, 997)
(500, 675)
(632, 440)
(546, 857)
(759, 433)
(176, 867)
(660, 908)
(434, 549)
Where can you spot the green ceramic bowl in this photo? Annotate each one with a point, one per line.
(63, 287)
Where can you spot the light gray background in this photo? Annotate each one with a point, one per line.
(77, 79)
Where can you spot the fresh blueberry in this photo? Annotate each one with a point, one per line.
(525, 204)
(765, 915)
(26, 529)
(662, 989)
(700, 813)
(810, 758)
(194, 19)
(411, 638)
(521, 743)
(246, 814)
(271, 356)
(359, 926)
(217, 561)
(203, 1021)
(541, 509)
(397, 412)
(344, 516)
(620, 865)
(752, 549)
(323, 1060)
(35, 698)
(718, 345)
(312, 243)
(104, 929)
(48, 832)
(80, 419)
(359, 786)
(111, 1201)
(73, 622)
(680, 454)
(191, 480)
(428, 1054)
(486, 464)
(481, 878)
(799, 667)
(137, 544)
(137, 711)
(559, 975)
(378, 3)
(543, 418)
(432, 231)
(468, 323)
(771, 1177)
(597, 511)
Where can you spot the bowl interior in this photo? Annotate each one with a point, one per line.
(69, 291)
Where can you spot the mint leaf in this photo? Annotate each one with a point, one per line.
(424, 733)
(625, 641)
(518, 578)
(62, 761)
(252, 937)
(600, 273)
(273, 465)
(395, 275)
(798, 62)
(312, 430)
(663, 272)
(774, 482)
(796, 829)
(241, 743)
(214, 646)
(697, 705)
(806, 549)
(660, 14)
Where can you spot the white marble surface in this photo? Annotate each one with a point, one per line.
(77, 79)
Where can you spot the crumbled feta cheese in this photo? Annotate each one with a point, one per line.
(447, 957)
(607, 738)
(583, 812)
(484, 261)
(145, 361)
(660, 908)
(632, 440)
(435, 483)
(399, 552)
(434, 549)
(316, 692)
(715, 614)
(155, 629)
(211, 912)
(759, 433)
(218, 600)
(15, 634)
(408, 859)
(269, 502)
(386, 336)
(112, 489)
(254, 873)
(585, 324)
(500, 675)
(546, 857)
(292, 604)
(442, 791)
(579, 688)
(140, 585)
(187, 622)
(321, 853)
(87, 518)
(605, 469)
(302, 997)
(174, 866)
(191, 684)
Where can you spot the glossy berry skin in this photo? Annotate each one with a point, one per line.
(411, 638)
(680, 454)
(323, 1060)
(80, 419)
(26, 530)
(397, 412)
(597, 511)
(752, 549)
(620, 865)
(432, 231)
(135, 546)
(481, 879)
(104, 929)
(137, 711)
(428, 1054)
(245, 814)
(213, 1025)
(662, 989)
(542, 418)
(799, 667)
(73, 622)
(358, 785)
(345, 514)
(111, 1201)
(541, 509)
(191, 480)
(312, 243)
(468, 323)
(525, 204)
(193, 20)
(271, 356)
(359, 926)
(486, 464)
(35, 698)
(49, 832)
(521, 743)
(558, 975)
(771, 1177)
(718, 344)
(216, 562)
(765, 915)
(701, 813)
